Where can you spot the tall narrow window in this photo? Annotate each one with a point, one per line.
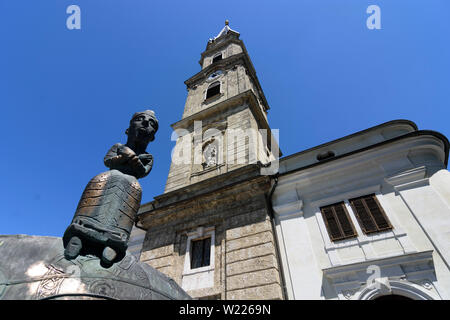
(371, 216)
(213, 90)
(337, 221)
(200, 253)
(217, 58)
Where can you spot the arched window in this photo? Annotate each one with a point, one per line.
(213, 90)
(217, 57)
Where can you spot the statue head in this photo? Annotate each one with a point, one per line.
(143, 126)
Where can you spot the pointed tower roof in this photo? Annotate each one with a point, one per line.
(224, 38)
(224, 31)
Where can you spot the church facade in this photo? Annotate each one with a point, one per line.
(236, 221)
(366, 216)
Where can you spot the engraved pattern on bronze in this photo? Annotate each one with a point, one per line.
(109, 204)
(103, 288)
(35, 268)
(50, 285)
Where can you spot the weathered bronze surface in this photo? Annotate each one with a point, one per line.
(34, 268)
(108, 207)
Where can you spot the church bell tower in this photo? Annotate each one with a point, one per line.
(211, 229)
(224, 124)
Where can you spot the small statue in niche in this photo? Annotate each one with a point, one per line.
(210, 155)
(108, 207)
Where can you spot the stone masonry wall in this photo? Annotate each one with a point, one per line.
(236, 152)
(245, 258)
(251, 264)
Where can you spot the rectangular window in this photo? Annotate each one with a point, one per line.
(337, 222)
(213, 90)
(217, 58)
(370, 215)
(200, 253)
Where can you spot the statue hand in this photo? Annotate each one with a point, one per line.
(145, 158)
(126, 152)
(135, 161)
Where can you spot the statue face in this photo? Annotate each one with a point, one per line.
(142, 128)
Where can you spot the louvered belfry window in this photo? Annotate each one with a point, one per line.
(370, 214)
(337, 221)
(200, 253)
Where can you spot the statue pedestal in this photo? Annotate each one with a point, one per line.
(34, 268)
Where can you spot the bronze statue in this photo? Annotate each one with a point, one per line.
(108, 207)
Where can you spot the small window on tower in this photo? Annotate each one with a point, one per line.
(200, 253)
(213, 90)
(217, 57)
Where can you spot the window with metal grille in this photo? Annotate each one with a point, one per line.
(338, 222)
(217, 58)
(200, 253)
(370, 214)
(213, 90)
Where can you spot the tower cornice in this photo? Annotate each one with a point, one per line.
(248, 97)
(233, 60)
(195, 198)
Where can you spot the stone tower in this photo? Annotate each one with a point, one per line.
(211, 230)
(224, 123)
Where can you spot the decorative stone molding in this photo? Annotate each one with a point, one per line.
(408, 179)
(408, 275)
(289, 210)
(348, 294)
(404, 288)
(383, 285)
(427, 284)
(319, 201)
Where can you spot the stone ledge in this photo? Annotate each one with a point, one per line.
(205, 292)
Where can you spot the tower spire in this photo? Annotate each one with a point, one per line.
(224, 31)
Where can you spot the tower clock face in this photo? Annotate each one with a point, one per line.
(215, 75)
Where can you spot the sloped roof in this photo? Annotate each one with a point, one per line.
(224, 31)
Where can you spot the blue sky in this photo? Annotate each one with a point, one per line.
(66, 96)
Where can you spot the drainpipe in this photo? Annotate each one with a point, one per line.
(274, 231)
